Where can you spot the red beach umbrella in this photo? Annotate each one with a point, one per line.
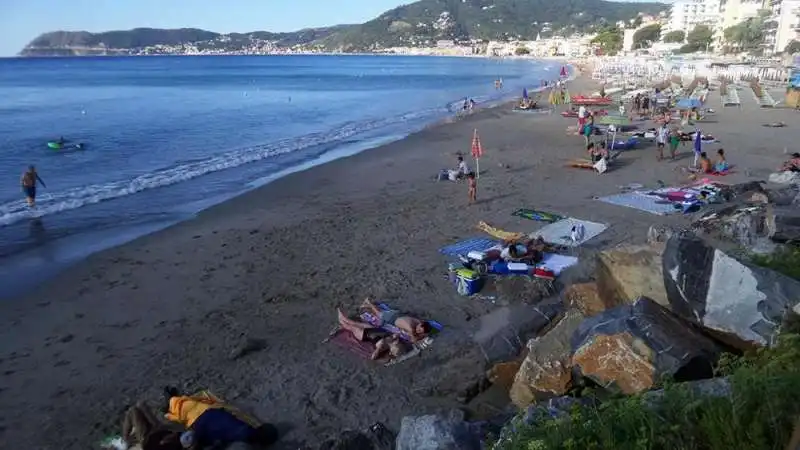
(477, 150)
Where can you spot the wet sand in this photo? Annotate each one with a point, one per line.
(273, 265)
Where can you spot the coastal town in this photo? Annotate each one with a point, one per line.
(778, 23)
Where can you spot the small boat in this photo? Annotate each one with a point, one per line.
(61, 145)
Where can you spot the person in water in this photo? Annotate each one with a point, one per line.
(28, 181)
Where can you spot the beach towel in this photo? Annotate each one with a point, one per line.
(559, 233)
(498, 233)
(642, 202)
(557, 263)
(466, 246)
(539, 216)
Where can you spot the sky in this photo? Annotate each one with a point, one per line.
(23, 20)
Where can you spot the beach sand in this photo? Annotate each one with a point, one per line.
(272, 265)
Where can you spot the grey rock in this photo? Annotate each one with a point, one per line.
(742, 304)
(376, 437)
(632, 347)
(435, 432)
(713, 387)
(503, 333)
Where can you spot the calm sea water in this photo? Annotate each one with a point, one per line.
(168, 136)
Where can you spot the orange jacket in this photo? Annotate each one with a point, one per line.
(185, 410)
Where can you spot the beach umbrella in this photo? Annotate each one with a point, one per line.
(477, 152)
(563, 72)
(698, 145)
(688, 103)
(525, 93)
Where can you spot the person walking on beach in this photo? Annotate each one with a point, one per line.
(473, 188)
(28, 181)
(661, 140)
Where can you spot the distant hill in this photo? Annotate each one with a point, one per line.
(432, 20)
(417, 24)
(80, 43)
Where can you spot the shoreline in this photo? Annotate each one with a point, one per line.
(21, 280)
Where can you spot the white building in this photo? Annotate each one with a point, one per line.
(783, 25)
(686, 14)
(734, 12)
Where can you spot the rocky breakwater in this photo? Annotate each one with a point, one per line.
(657, 312)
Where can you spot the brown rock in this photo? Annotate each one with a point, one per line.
(547, 372)
(621, 359)
(503, 374)
(625, 273)
(586, 298)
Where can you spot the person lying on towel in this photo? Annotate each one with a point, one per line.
(416, 329)
(528, 252)
(141, 429)
(212, 423)
(792, 165)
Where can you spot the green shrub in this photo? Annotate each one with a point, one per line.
(786, 261)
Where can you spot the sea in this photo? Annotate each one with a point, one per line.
(165, 137)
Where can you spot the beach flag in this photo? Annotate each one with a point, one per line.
(477, 152)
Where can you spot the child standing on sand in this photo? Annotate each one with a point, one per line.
(473, 188)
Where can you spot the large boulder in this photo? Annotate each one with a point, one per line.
(632, 347)
(502, 333)
(586, 298)
(783, 224)
(625, 273)
(743, 225)
(546, 371)
(435, 432)
(742, 304)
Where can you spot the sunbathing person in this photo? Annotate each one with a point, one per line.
(416, 329)
(394, 345)
(213, 422)
(529, 251)
(141, 428)
(705, 163)
(792, 165)
(722, 163)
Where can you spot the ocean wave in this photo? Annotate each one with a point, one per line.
(58, 201)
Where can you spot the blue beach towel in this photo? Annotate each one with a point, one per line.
(464, 247)
(641, 202)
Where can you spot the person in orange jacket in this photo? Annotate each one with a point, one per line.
(212, 423)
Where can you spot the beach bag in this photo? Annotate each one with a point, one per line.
(601, 166)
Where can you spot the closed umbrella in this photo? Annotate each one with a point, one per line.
(477, 152)
(698, 146)
(525, 93)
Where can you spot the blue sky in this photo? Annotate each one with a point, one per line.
(22, 20)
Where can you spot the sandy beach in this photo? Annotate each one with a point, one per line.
(272, 266)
